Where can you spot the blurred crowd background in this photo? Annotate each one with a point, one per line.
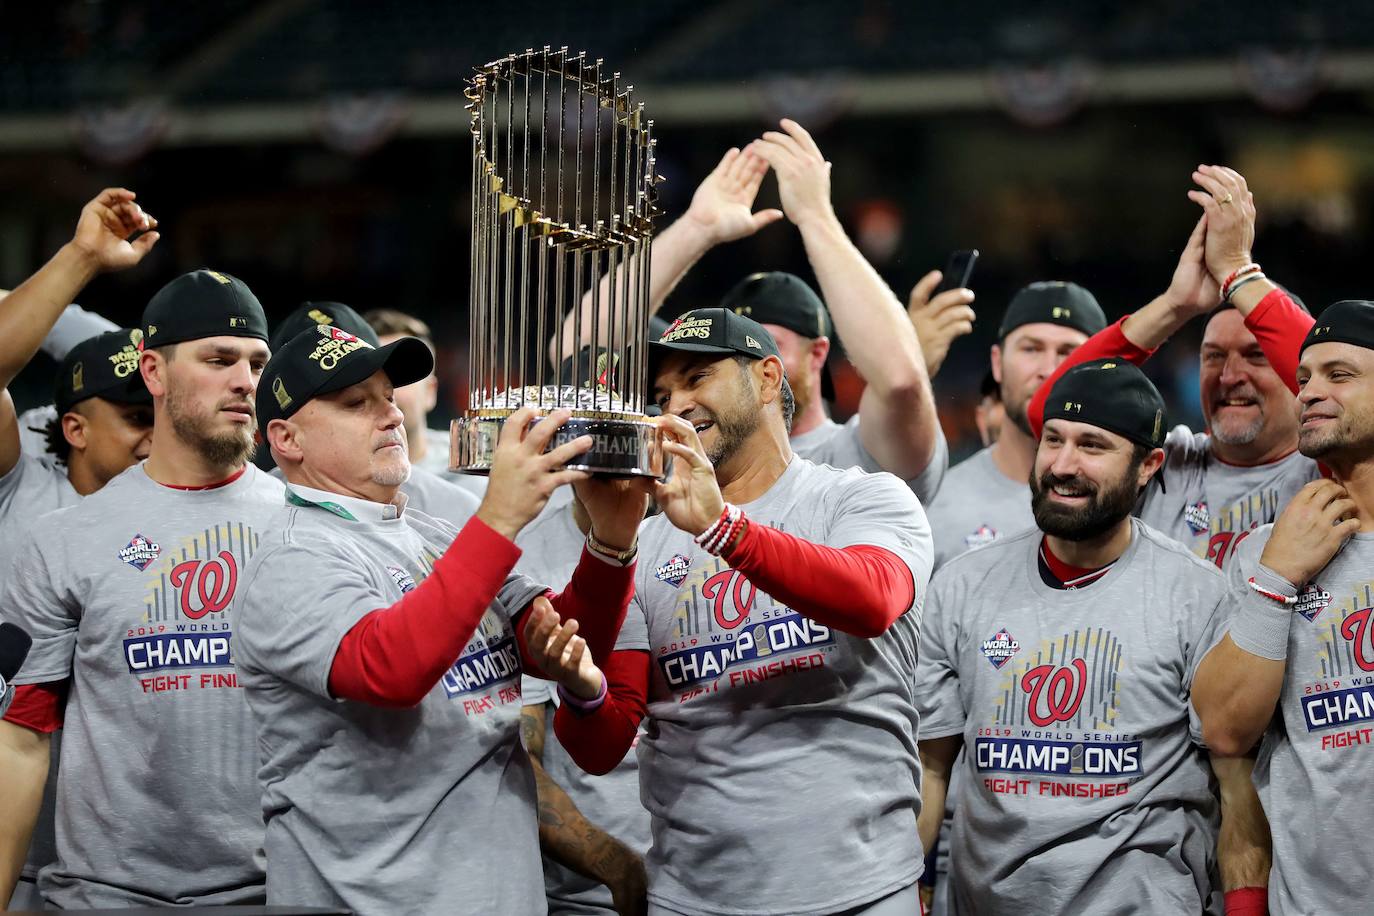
(319, 149)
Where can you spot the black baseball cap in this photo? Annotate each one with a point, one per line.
(103, 366)
(774, 297)
(1348, 321)
(1111, 394)
(324, 359)
(310, 315)
(716, 330)
(1053, 302)
(203, 303)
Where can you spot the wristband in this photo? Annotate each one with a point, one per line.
(623, 557)
(1260, 626)
(581, 706)
(1247, 901)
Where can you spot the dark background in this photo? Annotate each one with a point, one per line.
(1057, 138)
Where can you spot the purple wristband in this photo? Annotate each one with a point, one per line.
(584, 707)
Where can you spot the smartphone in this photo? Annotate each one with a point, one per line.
(958, 270)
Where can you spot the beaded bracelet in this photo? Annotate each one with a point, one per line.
(1241, 282)
(1272, 596)
(721, 532)
(1226, 286)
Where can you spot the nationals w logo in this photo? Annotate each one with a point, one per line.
(209, 583)
(1055, 692)
(1356, 629)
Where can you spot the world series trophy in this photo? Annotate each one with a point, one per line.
(563, 191)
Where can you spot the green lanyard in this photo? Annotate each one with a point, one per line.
(294, 499)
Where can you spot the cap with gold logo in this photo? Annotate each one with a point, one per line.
(1349, 321)
(1110, 394)
(325, 359)
(1053, 302)
(203, 303)
(715, 330)
(103, 366)
(312, 314)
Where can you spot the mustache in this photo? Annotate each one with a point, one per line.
(248, 406)
(389, 439)
(1077, 485)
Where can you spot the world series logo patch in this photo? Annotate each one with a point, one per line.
(1000, 648)
(404, 580)
(982, 535)
(1197, 517)
(674, 571)
(139, 552)
(1312, 600)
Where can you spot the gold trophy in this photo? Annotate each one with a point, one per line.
(562, 205)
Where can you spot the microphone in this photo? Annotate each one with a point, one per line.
(14, 648)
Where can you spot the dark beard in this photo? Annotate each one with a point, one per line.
(1104, 511)
(735, 426)
(225, 450)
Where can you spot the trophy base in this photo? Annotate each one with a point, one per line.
(624, 445)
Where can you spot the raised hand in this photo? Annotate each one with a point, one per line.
(803, 174)
(1193, 291)
(1309, 532)
(939, 321)
(691, 498)
(523, 475)
(723, 205)
(559, 652)
(1230, 210)
(105, 225)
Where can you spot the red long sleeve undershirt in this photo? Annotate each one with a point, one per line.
(860, 590)
(1280, 326)
(395, 655)
(40, 707)
(1108, 342)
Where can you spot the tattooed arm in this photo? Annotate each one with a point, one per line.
(567, 837)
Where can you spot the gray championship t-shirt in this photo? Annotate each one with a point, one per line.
(840, 447)
(551, 546)
(33, 488)
(1205, 503)
(429, 809)
(1085, 789)
(778, 760)
(1312, 773)
(127, 594)
(977, 504)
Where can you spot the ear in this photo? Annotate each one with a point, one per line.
(153, 368)
(820, 352)
(995, 355)
(769, 375)
(74, 430)
(431, 390)
(284, 438)
(1152, 463)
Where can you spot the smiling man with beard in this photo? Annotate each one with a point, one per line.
(1061, 658)
(769, 650)
(127, 596)
(1291, 671)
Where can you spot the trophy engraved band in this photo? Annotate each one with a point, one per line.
(562, 206)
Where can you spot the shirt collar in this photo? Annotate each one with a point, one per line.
(350, 508)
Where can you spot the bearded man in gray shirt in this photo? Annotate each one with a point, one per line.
(1292, 671)
(1062, 658)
